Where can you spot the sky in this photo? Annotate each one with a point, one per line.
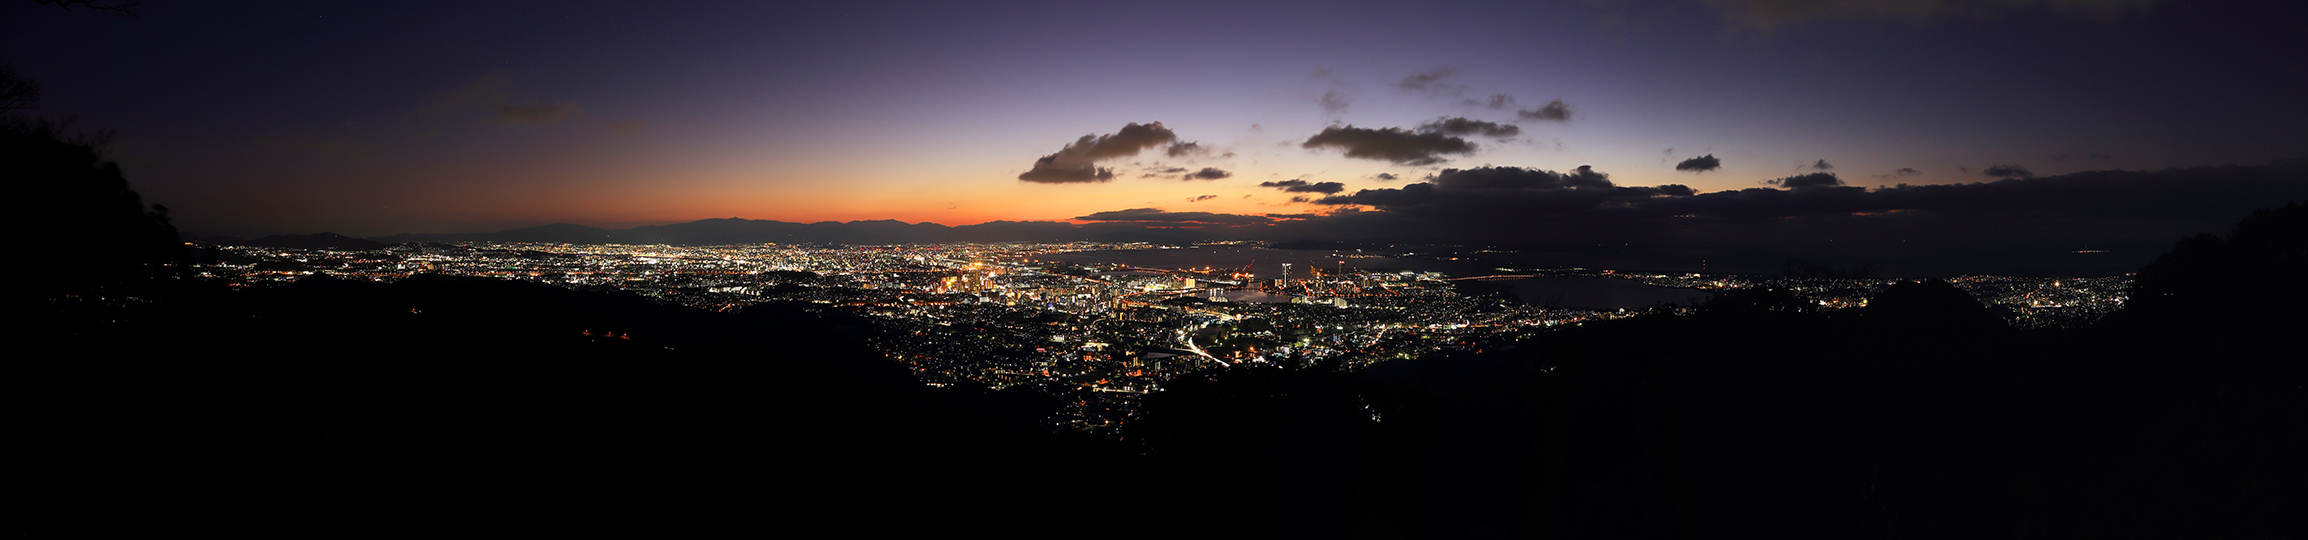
(254, 118)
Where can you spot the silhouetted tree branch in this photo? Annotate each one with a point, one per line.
(89, 217)
(17, 92)
(126, 8)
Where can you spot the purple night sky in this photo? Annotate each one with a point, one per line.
(253, 118)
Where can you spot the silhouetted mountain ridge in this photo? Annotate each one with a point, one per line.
(323, 240)
(555, 233)
(753, 231)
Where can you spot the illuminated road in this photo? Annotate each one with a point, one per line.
(1198, 350)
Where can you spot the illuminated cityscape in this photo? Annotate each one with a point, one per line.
(1600, 269)
(1102, 334)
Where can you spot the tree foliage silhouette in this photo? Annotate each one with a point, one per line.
(93, 226)
(17, 92)
(2198, 272)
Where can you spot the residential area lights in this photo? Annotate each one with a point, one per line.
(1099, 335)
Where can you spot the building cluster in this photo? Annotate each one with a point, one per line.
(2049, 302)
(1097, 334)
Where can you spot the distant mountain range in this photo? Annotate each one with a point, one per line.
(298, 241)
(751, 231)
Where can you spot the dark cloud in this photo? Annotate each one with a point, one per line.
(1498, 194)
(1431, 82)
(1821, 165)
(1586, 177)
(1390, 144)
(2008, 171)
(1171, 170)
(1482, 178)
(1466, 126)
(1496, 101)
(1386, 176)
(1519, 178)
(1553, 111)
(1201, 198)
(1184, 149)
(1700, 164)
(1901, 173)
(1131, 139)
(1410, 195)
(1158, 216)
(1048, 171)
(1077, 162)
(1206, 173)
(1302, 186)
(1301, 198)
(1807, 181)
(1673, 190)
(2019, 225)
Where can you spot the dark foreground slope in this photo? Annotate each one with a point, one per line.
(1918, 416)
(435, 404)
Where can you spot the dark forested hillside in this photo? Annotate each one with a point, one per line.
(330, 407)
(1918, 416)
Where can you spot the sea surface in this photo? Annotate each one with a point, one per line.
(1600, 293)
